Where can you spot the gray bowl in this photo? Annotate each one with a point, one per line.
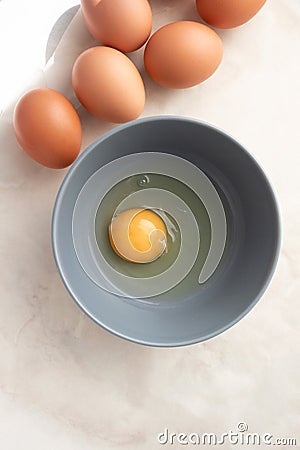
(182, 316)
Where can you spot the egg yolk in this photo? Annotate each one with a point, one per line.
(138, 235)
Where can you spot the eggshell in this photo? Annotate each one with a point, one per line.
(122, 24)
(183, 54)
(48, 128)
(108, 84)
(228, 13)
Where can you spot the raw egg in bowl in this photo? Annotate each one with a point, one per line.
(166, 231)
(138, 235)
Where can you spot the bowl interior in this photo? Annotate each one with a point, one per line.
(252, 235)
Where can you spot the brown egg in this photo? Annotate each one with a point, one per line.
(122, 24)
(48, 128)
(228, 13)
(182, 54)
(108, 84)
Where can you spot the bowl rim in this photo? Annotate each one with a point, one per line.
(68, 177)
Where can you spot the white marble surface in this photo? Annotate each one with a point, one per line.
(66, 384)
